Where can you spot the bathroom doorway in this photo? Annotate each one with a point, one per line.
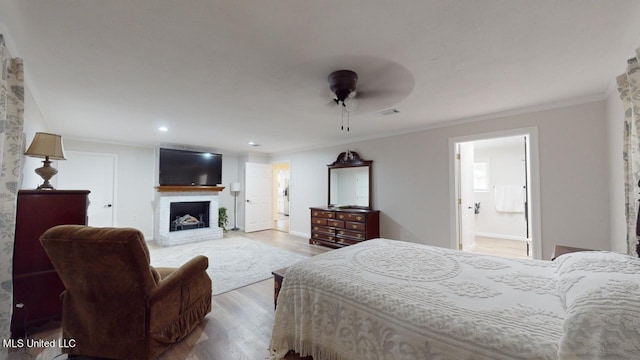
(281, 202)
(494, 197)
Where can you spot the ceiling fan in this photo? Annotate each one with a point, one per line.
(342, 84)
(379, 85)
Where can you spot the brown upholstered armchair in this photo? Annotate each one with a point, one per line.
(115, 304)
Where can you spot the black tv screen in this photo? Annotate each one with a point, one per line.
(183, 167)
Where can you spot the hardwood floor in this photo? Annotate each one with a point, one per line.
(282, 223)
(238, 327)
(501, 247)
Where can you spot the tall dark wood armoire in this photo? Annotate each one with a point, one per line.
(36, 285)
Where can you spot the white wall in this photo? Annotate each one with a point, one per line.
(506, 167)
(411, 178)
(229, 175)
(615, 131)
(33, 122)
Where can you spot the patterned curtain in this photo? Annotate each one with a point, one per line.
(11, 160)
(629, 90)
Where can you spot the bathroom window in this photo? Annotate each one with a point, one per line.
(481, 176)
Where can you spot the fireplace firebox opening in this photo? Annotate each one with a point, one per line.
(189, 215)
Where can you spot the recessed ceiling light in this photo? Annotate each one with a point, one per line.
(253, 143)
(163, 129)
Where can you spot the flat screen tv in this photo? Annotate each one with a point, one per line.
(187, 168)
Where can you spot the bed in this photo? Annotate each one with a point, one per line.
(388, 299)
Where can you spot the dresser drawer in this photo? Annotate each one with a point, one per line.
(322, 229)
(323, 236)
(355, 235)
(323, 214)
(351, 217)
(336, 223)
(350, 225)
(346, 241)
(318, 221)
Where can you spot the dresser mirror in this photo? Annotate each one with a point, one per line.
(350, 182)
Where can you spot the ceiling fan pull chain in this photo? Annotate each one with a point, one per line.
(342, 115)
(348, 121)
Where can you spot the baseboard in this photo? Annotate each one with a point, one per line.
(504, 237)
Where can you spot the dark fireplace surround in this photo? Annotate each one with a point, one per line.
(196, 214)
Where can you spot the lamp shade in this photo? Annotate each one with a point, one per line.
(234, 186)
(45, 144)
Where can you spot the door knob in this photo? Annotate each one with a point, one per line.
(108, 205)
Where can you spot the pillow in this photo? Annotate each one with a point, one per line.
(601, 294)
(580, 272)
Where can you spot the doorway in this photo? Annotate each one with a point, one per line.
(496, 194)
(281, 202)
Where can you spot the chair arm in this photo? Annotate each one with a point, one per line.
(180, 301)
(182, 275)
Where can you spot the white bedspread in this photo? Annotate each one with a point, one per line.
(386, 299)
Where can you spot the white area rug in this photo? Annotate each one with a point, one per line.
(233, 262)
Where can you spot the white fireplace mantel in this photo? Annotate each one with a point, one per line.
(162, 221)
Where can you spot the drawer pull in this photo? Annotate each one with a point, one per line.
(315, 213)
(315, 235)
(359, 236)
(330, 238)
(341, 216)
(359, 218)
(318, 221)
(354, 226)
(341, 232)
(315, 228)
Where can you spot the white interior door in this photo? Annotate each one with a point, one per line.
(466, 200)
(258, 183)
(94, 172)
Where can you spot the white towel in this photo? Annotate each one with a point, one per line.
(509, 198)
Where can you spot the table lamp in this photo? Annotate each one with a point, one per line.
(47, 146)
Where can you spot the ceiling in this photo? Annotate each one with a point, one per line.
(222, 73)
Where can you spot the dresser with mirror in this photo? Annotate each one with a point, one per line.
(348, 217)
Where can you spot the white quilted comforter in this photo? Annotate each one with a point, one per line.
(386, 299)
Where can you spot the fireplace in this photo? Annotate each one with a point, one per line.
(188, 215)
(198, 209)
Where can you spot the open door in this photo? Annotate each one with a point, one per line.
(466, 199)
(258, 182)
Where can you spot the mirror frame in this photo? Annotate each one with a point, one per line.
(349, 159)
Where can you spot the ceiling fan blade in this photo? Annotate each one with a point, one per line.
(372, 94)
